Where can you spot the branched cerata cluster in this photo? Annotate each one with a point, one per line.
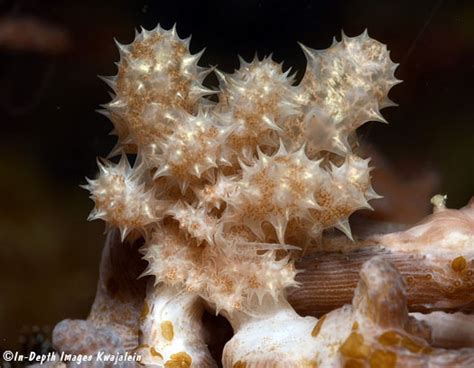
(226, 183)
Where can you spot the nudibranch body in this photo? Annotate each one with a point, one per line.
(223, 192)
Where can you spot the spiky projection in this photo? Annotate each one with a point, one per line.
(122, 198)
(289, 187)
(157, 78)
(258, 98)
(274, 189)
(191, 150)
(222, 192)
(344, 86)
(212, 270)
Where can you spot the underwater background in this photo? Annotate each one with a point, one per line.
(52, 51)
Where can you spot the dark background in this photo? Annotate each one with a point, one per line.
(50, 133)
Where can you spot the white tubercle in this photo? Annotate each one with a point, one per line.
(171, 330)
(277, 337)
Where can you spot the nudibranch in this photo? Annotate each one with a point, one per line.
(226, 191)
